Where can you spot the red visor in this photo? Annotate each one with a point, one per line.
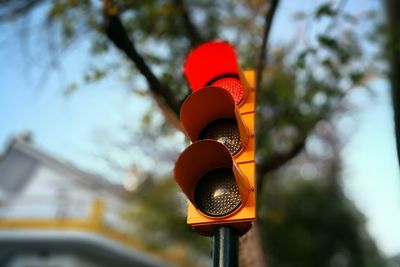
(214, 63)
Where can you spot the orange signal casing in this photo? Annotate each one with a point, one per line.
(243, 164)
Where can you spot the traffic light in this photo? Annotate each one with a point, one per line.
(217, 171)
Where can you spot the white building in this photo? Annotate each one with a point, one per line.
(55, 215)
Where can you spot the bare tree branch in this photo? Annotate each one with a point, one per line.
(269, 17)
(263, 167)
(335, 17)
(116, 32)
(275, 161)
(278, 160)
(191, 29)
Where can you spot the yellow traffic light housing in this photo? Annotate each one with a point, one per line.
(217, 172)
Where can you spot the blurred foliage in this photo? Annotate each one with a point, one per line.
(306, 83)
(160, 212)
(305, 226)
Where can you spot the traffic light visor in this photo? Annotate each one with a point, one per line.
(215, 64)
(202, 171)
(210, 112)
(209, 61)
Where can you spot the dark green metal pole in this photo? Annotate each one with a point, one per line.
(225, 247)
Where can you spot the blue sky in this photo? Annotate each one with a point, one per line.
(67, 126)
(371, 172)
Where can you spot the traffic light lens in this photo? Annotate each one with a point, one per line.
(224, 131)
(216, 193)
(233, 86)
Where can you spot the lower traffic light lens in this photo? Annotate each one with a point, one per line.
(224, 131)
(217, 194)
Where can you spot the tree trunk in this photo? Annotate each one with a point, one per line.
(251, 253)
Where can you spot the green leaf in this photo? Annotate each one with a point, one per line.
(356, 76)
(301, 59)
(328, 42)
(299, 16)
(325, 10)
(71, 88)
(94, 75)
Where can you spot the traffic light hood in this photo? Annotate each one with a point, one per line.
(206, 106)
(210, 61)
(200, 158)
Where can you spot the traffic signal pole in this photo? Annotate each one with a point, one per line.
(225, 247)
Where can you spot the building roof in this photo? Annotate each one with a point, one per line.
(21, 146)
(17, 163)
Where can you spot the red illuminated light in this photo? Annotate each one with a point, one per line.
(233, 86)
(214, 63)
